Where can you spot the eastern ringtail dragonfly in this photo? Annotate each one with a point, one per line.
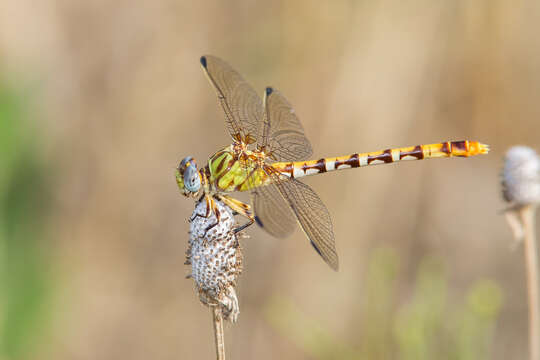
(270, 152)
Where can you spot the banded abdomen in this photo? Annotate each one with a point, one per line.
(419, 152)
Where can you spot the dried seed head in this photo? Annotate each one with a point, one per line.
(215, 257)
(521, 176)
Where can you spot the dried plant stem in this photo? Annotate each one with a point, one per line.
(218, 332)
(3, 288)
(526, 215)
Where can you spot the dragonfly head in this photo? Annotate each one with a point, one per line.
(188, 177)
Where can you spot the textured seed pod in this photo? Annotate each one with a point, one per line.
(215, 256)
(521, 176)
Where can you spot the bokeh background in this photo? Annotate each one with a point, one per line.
(100, 100)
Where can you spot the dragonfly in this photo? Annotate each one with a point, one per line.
(268, 155)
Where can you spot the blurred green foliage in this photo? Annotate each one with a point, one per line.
(425, 326)
(24, 198)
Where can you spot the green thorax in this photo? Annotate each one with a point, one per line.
(232, 172)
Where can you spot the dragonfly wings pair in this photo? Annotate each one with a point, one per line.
(274, 129)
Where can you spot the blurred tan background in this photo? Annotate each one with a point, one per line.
(113, 98)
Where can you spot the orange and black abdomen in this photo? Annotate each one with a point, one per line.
(419, 152)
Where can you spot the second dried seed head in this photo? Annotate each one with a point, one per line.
(521, 176)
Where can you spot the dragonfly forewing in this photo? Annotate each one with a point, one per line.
(241, 104)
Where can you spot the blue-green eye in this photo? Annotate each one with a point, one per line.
(188, 178)
(185, 163)
(192, 181)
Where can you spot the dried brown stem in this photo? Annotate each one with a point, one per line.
(219, 337)
(526, 215)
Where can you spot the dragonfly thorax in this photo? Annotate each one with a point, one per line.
(235, 168)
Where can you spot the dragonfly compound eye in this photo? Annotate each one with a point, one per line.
(192, 181)
(186, 162)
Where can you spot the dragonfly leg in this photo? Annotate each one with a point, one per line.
(211, 208)
(244, 226)
(239, 208)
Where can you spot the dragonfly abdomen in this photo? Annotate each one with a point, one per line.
(463, 148)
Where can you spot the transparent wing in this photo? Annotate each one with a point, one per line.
(241, 104)
(282, 134)
(272, 212)
(311, 214)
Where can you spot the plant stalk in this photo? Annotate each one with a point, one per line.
(218, 332)
(527, 214)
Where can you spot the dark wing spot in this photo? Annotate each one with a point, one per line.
(316, 248)
(203, 61)
(269, 91)
(258, 221)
